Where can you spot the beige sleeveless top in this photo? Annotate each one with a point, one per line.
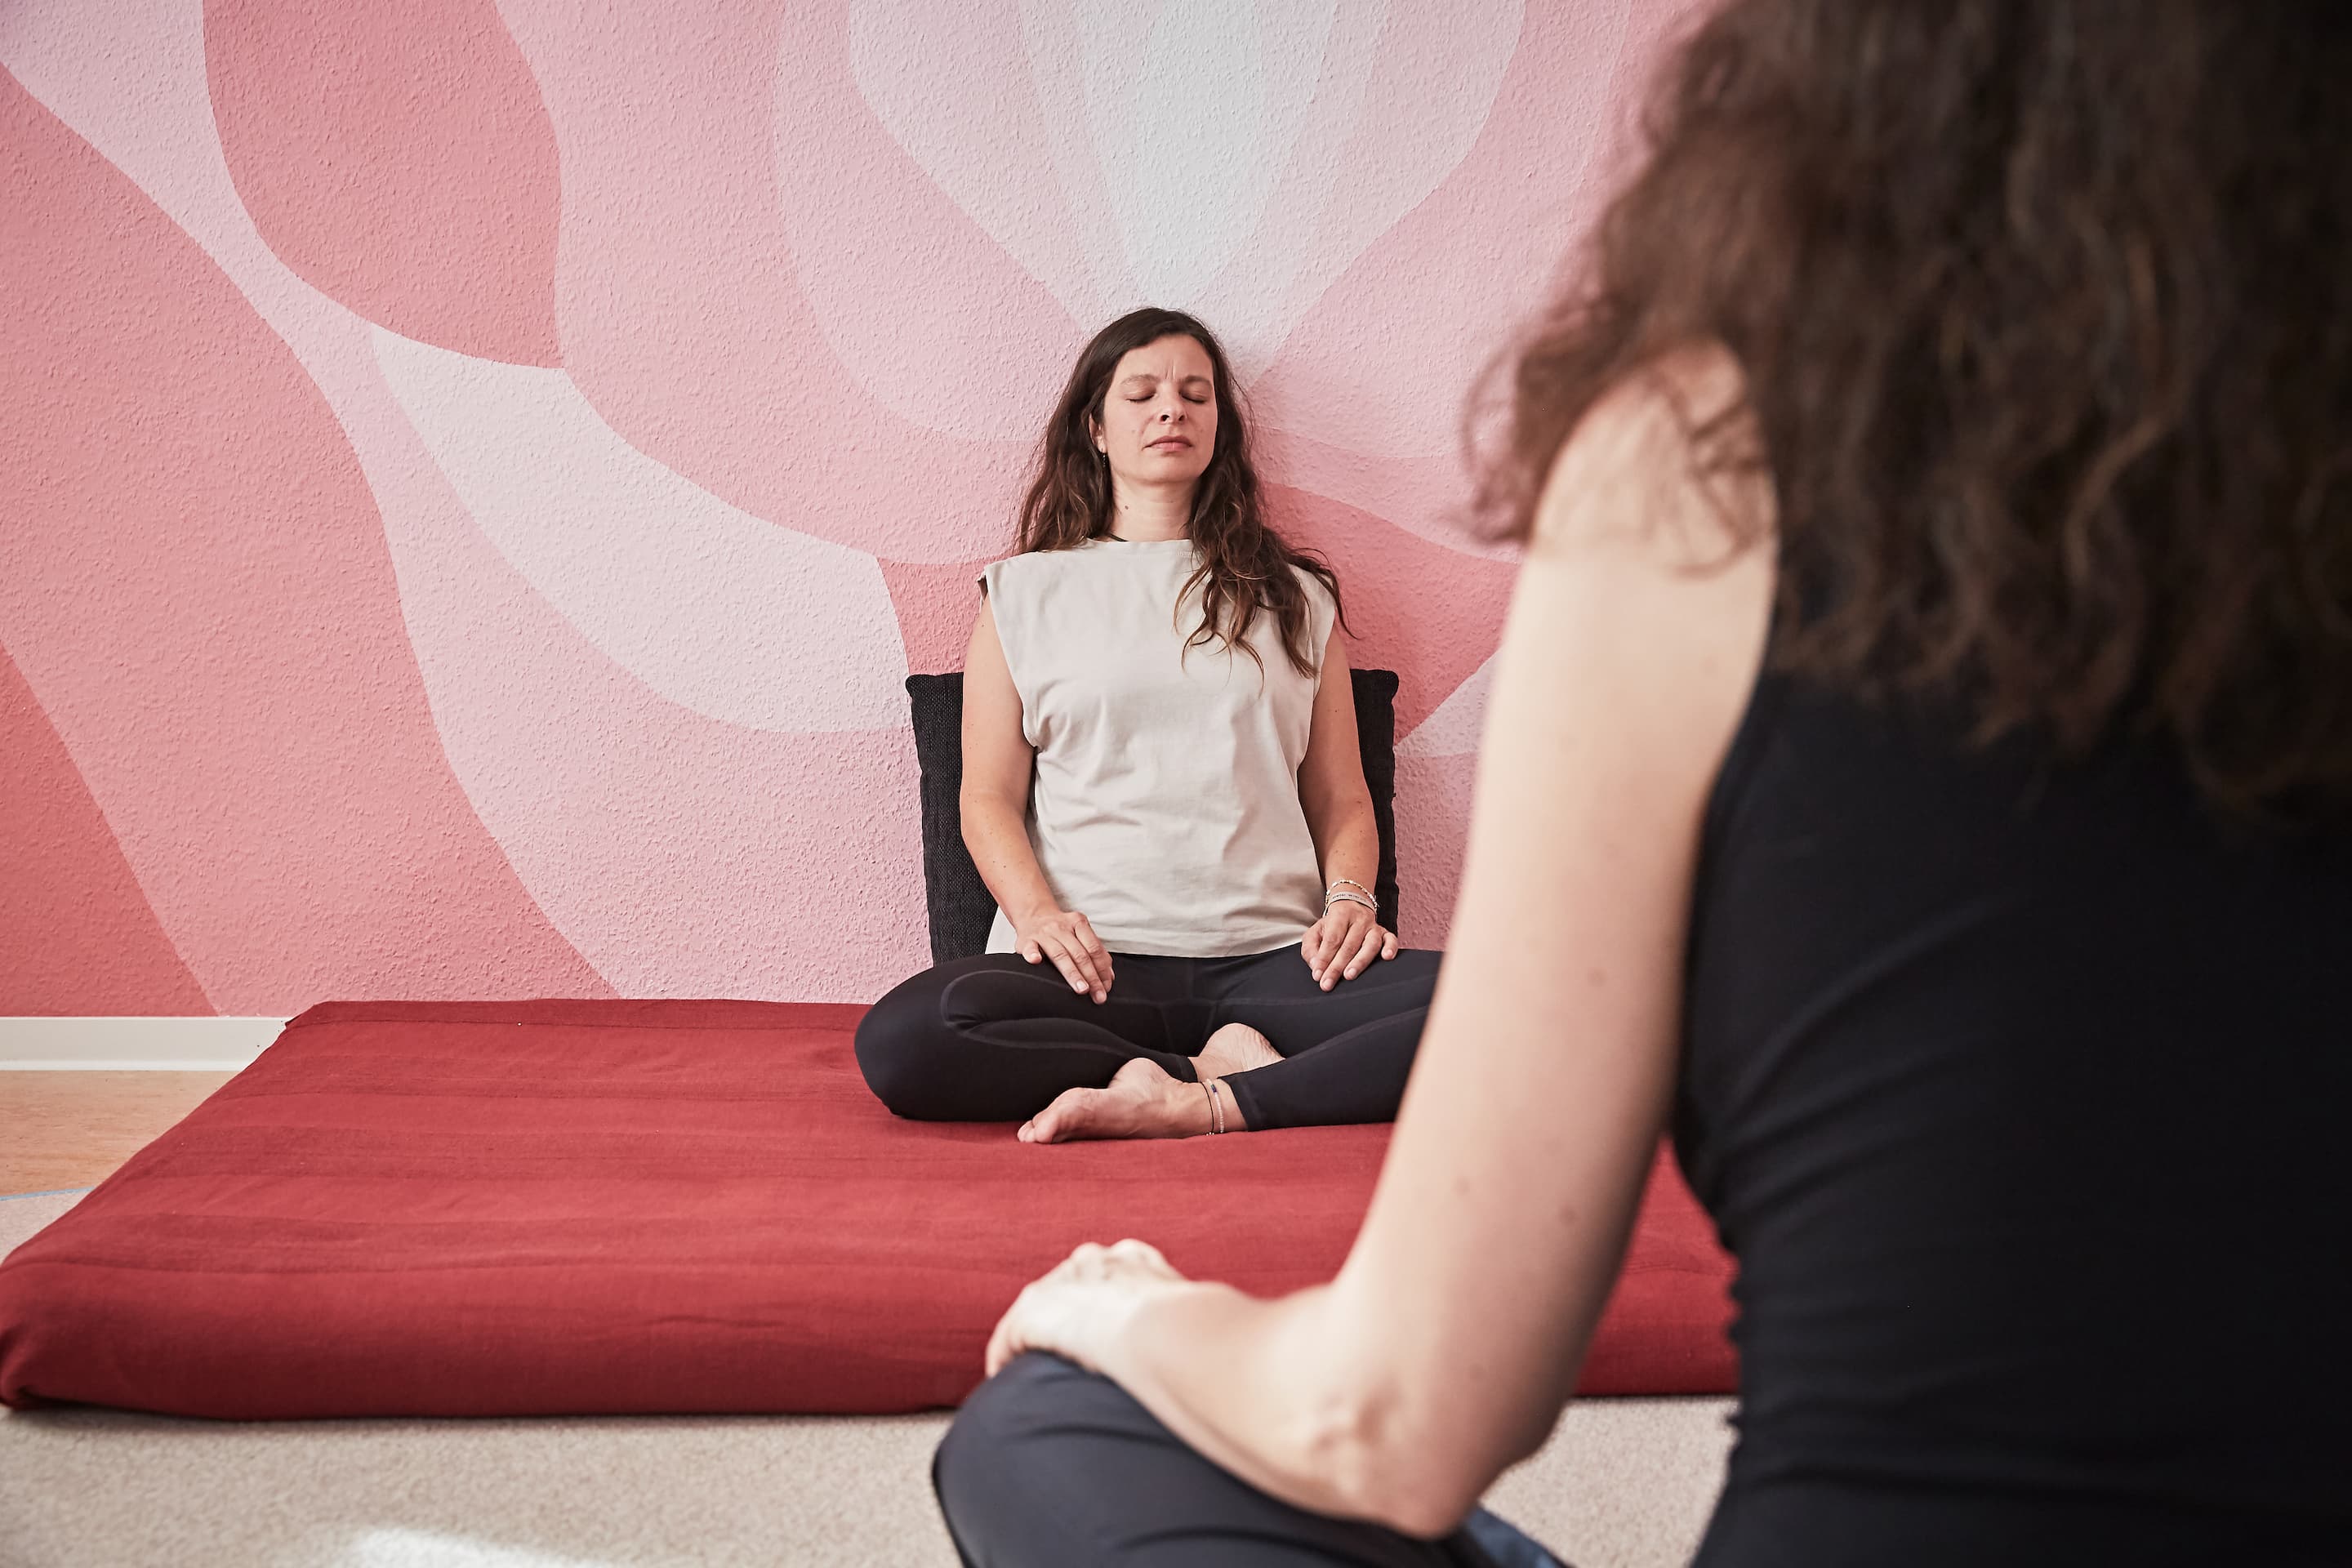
(1165, 806)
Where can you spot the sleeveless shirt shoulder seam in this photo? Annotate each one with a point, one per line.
(1322, 614)
(1011, 635)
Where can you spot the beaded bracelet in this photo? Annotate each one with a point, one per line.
(1216, 1107)
(1339, 895)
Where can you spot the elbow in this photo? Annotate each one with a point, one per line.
(1380, 1465)
(972, 809)
(1415, 1507)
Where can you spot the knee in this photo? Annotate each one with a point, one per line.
(894, 1042)
(1419, 965)
(997, 1486)
(972, 1456)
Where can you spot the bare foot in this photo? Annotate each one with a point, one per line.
(1235, 1049)
(1140, 1102)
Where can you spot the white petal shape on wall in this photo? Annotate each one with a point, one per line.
(1209, 154)
(717, 610)
(682, 856)
(1192, 129)
(955, 89)
(1453, 727)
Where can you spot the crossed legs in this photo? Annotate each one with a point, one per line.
(1050, 1463)
(994, 1038)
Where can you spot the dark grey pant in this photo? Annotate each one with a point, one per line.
(996, 1037)
(1049, 1466)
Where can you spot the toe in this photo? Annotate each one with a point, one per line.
(1063, 1118)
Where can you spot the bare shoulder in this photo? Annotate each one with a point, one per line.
(1649, 583)
(1665, 468)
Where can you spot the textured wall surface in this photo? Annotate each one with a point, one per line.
(476, 475)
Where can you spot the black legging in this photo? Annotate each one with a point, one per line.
(1049, 1463)
(996, 1037)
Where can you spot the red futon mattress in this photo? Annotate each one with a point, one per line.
(573, 1207)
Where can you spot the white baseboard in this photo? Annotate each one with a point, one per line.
(128, 1045)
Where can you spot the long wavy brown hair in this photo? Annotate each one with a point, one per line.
(1245, 566)
(2044, 310)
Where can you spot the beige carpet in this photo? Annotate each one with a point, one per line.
(1624, 1483)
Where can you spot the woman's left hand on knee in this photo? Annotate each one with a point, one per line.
(1347, 940)
(1082, 1305)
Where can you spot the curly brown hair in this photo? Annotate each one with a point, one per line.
(1245, 566)
(2044, 313)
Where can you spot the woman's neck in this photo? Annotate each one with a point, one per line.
(1139, 513)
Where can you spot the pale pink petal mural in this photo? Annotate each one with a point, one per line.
(202, 604)
(1433, 816)
(76, 935)
(1453, 729)
(679, 302)
(397, 157)
(936, 320)
(716, 610)
(1366, 394)
(955, 89)
(937, 604)
(1437, 766)
(1200, 150)
(685, 856)
(816, 271)
(1423, 610)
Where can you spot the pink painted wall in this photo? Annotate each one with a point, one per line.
(478, 474)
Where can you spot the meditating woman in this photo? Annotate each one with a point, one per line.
(1162, 788)
(1919, 767)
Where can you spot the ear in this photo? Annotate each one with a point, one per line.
(1094, 428)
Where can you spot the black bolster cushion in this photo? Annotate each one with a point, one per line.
(959, 903)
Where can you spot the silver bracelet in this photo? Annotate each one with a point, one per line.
(1216, 1107)
(1352, 882)
(1339, 895)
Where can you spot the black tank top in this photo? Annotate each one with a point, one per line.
(2021, 1093)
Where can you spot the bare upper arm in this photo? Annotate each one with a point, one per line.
(997, 756)
(1537, 1101)
(1331, 774)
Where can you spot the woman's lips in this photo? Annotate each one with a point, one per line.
(1167, 441)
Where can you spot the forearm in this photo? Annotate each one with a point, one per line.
(1266, 1390)
(1348, 843)
(997, 835)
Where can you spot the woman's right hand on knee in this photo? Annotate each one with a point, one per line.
(1064, 936)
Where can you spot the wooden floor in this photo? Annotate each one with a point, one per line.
(72, 1129)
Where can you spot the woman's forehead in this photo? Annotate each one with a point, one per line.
(1175, 355)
